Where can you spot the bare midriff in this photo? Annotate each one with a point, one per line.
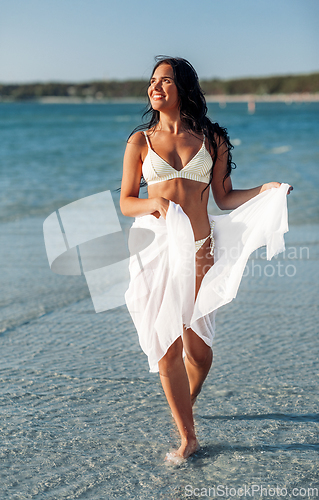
(188, 194)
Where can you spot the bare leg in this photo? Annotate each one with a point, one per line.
(198, 360)
(182, 383)
(176, 387)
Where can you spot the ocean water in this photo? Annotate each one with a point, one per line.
(81, 416)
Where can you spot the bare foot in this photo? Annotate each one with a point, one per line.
(186, 450)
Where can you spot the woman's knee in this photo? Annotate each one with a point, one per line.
(197, 351)
(200, 357)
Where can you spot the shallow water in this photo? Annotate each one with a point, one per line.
(81, 415)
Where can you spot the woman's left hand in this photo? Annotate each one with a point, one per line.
(270, 185)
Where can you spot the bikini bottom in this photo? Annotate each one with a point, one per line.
(200, 243)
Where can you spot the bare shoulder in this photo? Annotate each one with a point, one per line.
(137, 139)
(136, 148)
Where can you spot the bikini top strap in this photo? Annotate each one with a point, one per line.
(148, 142)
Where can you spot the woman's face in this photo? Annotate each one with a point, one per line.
(162, 90)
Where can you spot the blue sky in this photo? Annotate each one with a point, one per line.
(82, 40)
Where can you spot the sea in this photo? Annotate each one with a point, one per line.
(81, 415)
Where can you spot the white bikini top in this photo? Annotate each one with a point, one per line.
(155, 169)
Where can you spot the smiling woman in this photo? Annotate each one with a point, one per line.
(162, 91)
(189, 270)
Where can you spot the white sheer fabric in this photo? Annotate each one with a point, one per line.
(161, 294)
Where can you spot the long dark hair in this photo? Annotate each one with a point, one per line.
(193, 111)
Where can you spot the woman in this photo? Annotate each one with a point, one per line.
(179, 155)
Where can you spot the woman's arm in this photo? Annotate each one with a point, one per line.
(131, 205)
(225, 196)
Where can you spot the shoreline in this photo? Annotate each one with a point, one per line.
(221, 99)
(287, 98)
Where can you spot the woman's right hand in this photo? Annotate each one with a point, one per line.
(270, 185)
(162, 205)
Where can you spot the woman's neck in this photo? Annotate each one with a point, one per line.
(171, 122)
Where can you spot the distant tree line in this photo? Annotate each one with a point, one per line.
(137, 88)
(95, 90)
(264, 85)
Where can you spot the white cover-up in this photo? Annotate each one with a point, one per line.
(161, 294)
